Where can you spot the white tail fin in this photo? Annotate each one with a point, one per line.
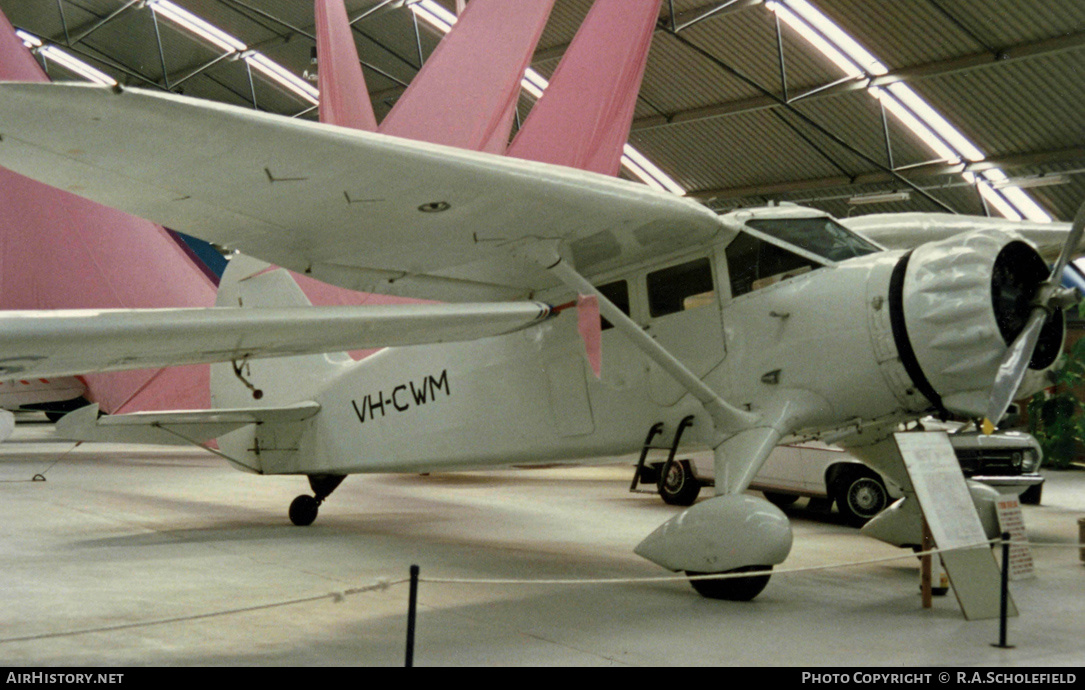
(250, 283)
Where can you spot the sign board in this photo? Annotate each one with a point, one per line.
(1011, 520)
(947, 506)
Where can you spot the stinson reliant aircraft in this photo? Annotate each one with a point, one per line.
(743, 329)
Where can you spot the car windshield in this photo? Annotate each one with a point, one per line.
(822, 236)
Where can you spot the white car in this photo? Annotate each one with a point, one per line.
(1007, 461)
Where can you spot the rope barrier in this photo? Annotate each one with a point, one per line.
(40, 476)
(336, 597)
(382, 584)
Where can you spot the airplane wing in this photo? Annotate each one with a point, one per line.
(909, 230)
(357, 209)
(67, 342)
(174, 427)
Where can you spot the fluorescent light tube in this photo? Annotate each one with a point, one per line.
(879, 198)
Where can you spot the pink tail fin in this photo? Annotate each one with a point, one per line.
(61, 251)
(466, 92)
(16, 62)
(583, 118)
(344, 99)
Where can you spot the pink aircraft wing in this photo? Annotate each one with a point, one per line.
(583, 118)
(344, 98)
(466, 93)
(344, 101)
(61, 251)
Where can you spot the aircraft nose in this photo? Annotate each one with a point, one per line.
(963, 301)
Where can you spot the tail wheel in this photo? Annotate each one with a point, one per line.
(678, 486)
(303, 510)
(860, 496)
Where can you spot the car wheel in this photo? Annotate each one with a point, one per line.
(860, 496)
(1031, 496)
(678, 486)
(780, 500)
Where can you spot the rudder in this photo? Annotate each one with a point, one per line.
(250, 283)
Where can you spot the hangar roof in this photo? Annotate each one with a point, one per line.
(739, 105)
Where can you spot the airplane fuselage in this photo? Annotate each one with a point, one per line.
(530, 397)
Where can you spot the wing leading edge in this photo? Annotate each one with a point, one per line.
(378, 212)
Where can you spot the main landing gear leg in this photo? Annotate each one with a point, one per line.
(303, 509)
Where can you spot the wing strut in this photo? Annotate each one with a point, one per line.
(727, 418)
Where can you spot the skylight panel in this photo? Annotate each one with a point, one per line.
(29, 40)
(433, 14)
(823, 46)
(75, 65)
(193, 24)
(64, 59)
(936, 122)
(917, 127)
(905, 104)
(277, 73)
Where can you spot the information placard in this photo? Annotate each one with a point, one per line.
(947, 505)
(1010, 519)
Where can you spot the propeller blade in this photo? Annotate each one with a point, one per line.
(1012, 369)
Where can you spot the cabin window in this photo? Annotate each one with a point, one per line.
(618, 293)
(681, 287)
(754, 264)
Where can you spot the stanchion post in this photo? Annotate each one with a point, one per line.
(925, 567)
(1004, 603)
(412, 611)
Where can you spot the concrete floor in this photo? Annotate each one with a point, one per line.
(120, 536)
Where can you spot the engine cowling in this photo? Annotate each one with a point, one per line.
(956, 306)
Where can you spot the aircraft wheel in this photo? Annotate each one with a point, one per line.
(679, 487)
(780, 500)
(860, 497)
(734, 589)
(303, 510)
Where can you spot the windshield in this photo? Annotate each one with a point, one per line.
(753, 264)
(822, 236)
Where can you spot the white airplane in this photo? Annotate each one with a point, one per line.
(749, 328)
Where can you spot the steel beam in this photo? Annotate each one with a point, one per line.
(64, 22)
(939, 68)
(379, 6)
(272, 18)
(161, 50)
(681, 20)
(836, 139)
(719, 8)
(83, 33)
(1017, 160)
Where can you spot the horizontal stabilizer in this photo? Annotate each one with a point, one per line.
(69, 342)
(174, 427)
